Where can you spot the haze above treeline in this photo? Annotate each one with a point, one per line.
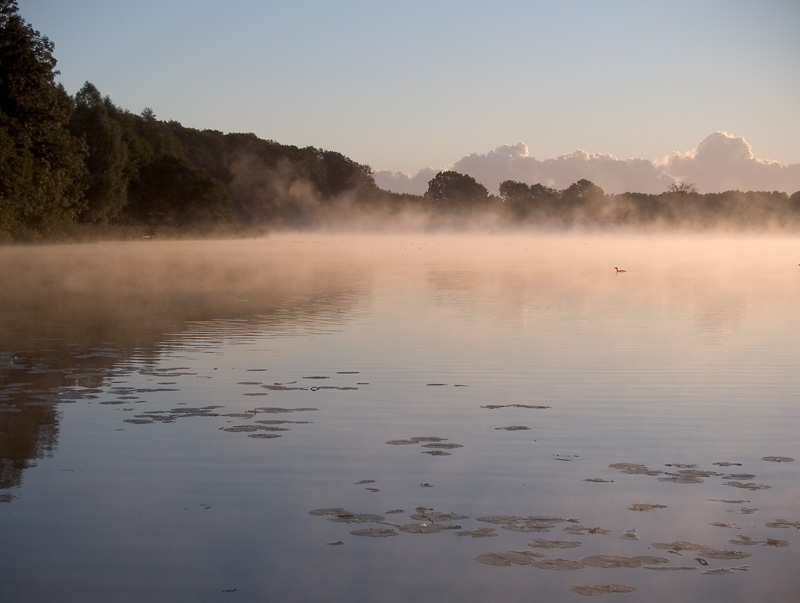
(82, 167)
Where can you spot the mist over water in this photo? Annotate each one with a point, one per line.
(358, 417)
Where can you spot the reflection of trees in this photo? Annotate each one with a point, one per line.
(72, 314)
(26, 432)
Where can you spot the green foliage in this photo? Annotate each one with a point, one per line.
(170, 192)
(454, 191)
(535, 203)
(41, 164)
(107, 159)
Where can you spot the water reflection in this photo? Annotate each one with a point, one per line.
(71, 315)
(497, 416)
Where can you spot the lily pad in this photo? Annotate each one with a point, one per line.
(443, 445)
(646, 507)
(478, 533)
(634, 469)
(541, 543)
(558, 564)
(493, 559)
(747, 485)
(429, 515)
(581, 530)
(783, 523)
(610, 561)
(681, 545)
(727, 570)
(426, 528)
(602, 589)
(744, 541)
(718, 554)
(374, 532)
(651, 559)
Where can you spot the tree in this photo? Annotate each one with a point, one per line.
(170, 192)
(334, 174)
(452, 190)
(107, 190)
(41, 163)
(683, 187)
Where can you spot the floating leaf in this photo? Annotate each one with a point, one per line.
(646, 507)
(681, 545)
(478, 533)
(650, 559)
(634, 469)
(744, 541)
(716, 554)
(747, 485)
(558, 564)
(426, 528)
(540, 543)
(602, 589)
(727, 570)
(580, 530)
(783, 523)
(609, 561)
(374, 532)
(532, 406)
(423, 514)
(493, 559)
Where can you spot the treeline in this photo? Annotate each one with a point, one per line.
(162, 174)
(71, 165)
(585, 205)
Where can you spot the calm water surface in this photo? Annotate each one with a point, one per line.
(362, 419)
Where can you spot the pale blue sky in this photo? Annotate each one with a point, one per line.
(406, 85)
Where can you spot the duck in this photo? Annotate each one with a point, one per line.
(619, 270)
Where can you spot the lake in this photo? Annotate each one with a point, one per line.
(413, 417)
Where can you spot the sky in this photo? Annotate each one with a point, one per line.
(613, 88)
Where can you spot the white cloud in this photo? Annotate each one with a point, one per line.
(399, 182)
(724, 162)
(720, 162)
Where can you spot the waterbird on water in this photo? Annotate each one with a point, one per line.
(619, 270)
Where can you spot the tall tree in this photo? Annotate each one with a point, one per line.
(107, 190)
(453, 190)
(41, 163)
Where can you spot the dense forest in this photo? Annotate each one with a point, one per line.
(77, 167)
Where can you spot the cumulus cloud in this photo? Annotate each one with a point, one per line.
(720, 162)
(399, 182)
(724, 162)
